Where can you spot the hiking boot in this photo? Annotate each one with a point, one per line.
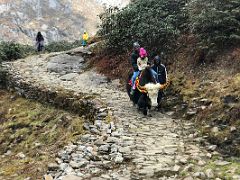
(160, 109)
(158, 106)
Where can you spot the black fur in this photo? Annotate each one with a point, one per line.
(141, 99)
(136, 95)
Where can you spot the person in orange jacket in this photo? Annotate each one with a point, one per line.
(84, 39)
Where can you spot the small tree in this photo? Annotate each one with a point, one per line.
(216, 23)
(156, 24)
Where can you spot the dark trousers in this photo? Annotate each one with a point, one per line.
(40, 46)
(160, 96)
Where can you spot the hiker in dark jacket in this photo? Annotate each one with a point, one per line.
(39, 42)
(134, 57)
(161, 71)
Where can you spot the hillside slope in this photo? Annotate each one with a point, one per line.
(199, 43)
(119, 143)
(57, 19)
(207, 94)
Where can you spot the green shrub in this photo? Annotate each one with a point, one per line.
(155, 23)
(62, 46)
(215, 23)
(11, 51)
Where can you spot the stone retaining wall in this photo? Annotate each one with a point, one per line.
(80, 103)
(2, 77)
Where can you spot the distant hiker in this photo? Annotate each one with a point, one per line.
(39, 42)
(134, 57)
(161, 71)
(84, 38)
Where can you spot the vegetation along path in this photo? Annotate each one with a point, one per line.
(120, 143)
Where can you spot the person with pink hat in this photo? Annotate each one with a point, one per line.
(142, 61)
(141, 64)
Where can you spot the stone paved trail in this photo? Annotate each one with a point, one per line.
(122, 143)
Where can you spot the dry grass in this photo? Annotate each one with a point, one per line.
(114, 67)
(215, 81)
(36, 130)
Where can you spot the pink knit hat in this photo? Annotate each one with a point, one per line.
(142, 53)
